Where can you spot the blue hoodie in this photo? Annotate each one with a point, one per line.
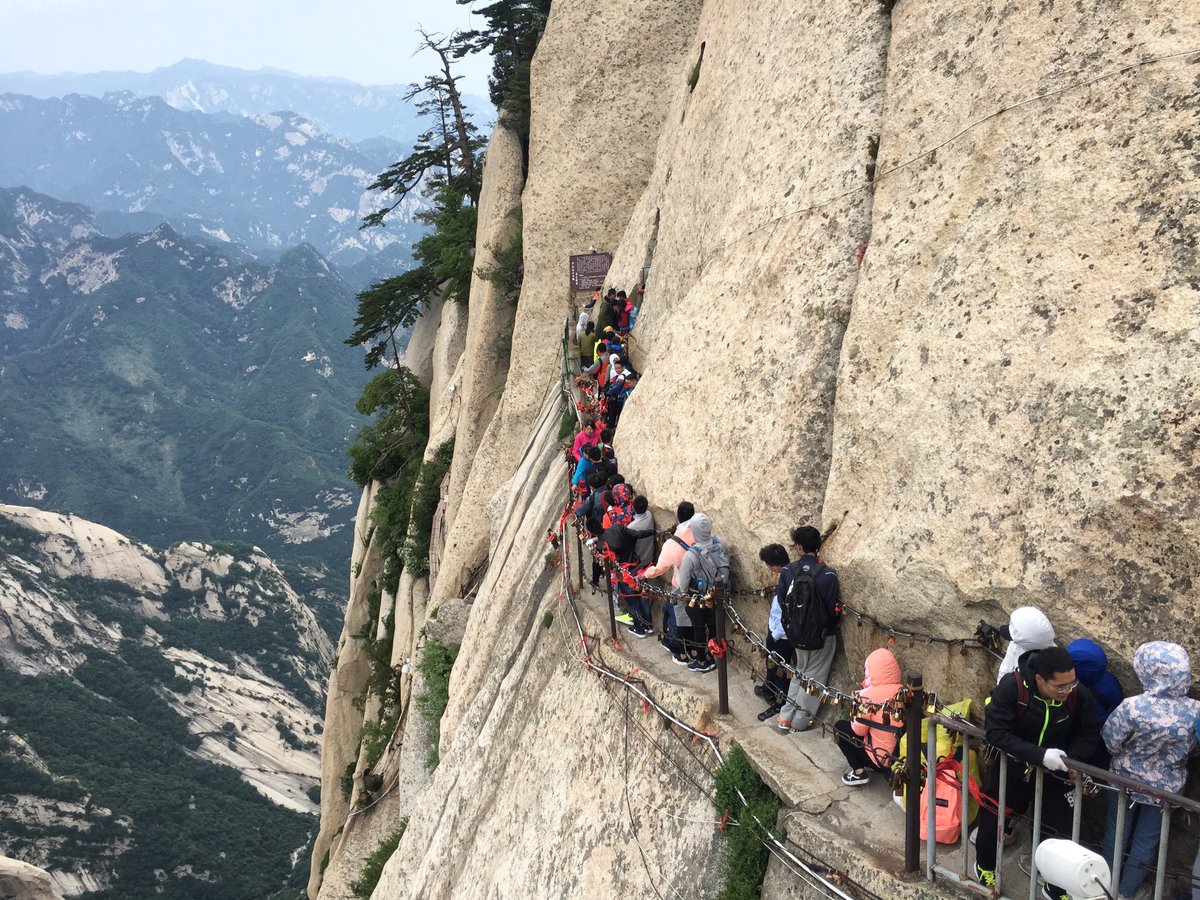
(1091, 667)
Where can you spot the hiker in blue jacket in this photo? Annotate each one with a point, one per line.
(591, 456)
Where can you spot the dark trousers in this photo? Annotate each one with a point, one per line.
(851, 746)
(778, 678)
(1056, 811)
(683, 638)
(704, 628)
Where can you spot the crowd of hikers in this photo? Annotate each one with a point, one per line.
(1050, 702)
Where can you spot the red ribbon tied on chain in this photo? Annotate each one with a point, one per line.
(718, 648)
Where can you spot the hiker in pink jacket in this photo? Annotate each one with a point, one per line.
(588, 435)
(868, 741)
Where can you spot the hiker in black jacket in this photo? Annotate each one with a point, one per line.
(800, 707)
(1038, 714)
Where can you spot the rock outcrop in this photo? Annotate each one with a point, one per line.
(1016, 419)
(21, 881)
(921, 275)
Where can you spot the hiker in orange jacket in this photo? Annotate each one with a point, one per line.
(868, 741)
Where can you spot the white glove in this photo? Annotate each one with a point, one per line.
(1055, 759)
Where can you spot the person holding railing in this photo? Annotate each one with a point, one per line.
(777, 681)
(869, 739)
(1150, 737)
(1038, 714)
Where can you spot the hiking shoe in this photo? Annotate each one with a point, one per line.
(850, 778)
(784, 726)
(625, 619)
(760, 690)
(662, 642)
(768, 713)
(986, 877)
(638, 632)
(680, 660)
(700, 666)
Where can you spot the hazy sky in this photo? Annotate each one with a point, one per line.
(369, 41)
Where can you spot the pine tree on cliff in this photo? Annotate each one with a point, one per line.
(444, 167)
(511, 34)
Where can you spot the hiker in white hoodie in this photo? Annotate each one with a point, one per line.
(1027, 629)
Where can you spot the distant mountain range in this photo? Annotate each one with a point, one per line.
(353, 111)
(160, 713)
(173, 388)
(269, 182)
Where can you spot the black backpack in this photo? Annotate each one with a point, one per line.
(806, 620)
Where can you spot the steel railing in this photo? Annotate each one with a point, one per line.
(964, 876)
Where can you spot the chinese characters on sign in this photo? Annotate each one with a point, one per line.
(588, 271)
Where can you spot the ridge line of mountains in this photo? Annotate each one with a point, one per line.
(178, 269)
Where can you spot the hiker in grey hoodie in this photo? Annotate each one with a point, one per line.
(701, 562)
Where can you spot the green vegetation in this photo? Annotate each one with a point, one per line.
(389, 450)
(435, 664)
(510, 35)
(746, 855)
(426, 497)
(183, 809)
(566, 424)
(166, 445)
(373, 867)
(508, 273)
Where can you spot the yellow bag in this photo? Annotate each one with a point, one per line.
(947, 743)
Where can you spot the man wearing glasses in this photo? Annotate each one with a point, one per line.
(1038, 715)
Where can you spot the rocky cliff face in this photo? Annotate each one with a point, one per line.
(923, 279)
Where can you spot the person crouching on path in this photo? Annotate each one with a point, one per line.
(1038, 714)
(1150, 737)
(811, 662)
(868, 741)
(774, 688)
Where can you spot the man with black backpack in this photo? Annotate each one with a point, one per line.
(811, 611)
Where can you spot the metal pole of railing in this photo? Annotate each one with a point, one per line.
(722, 661)
(1164, 835)
(612, 611)
(964, 796)
(1077, 801)
(1119, 843)
(579, 551)
(1039, 795)
(912, 805)
(931, 761)
(1001, 800)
